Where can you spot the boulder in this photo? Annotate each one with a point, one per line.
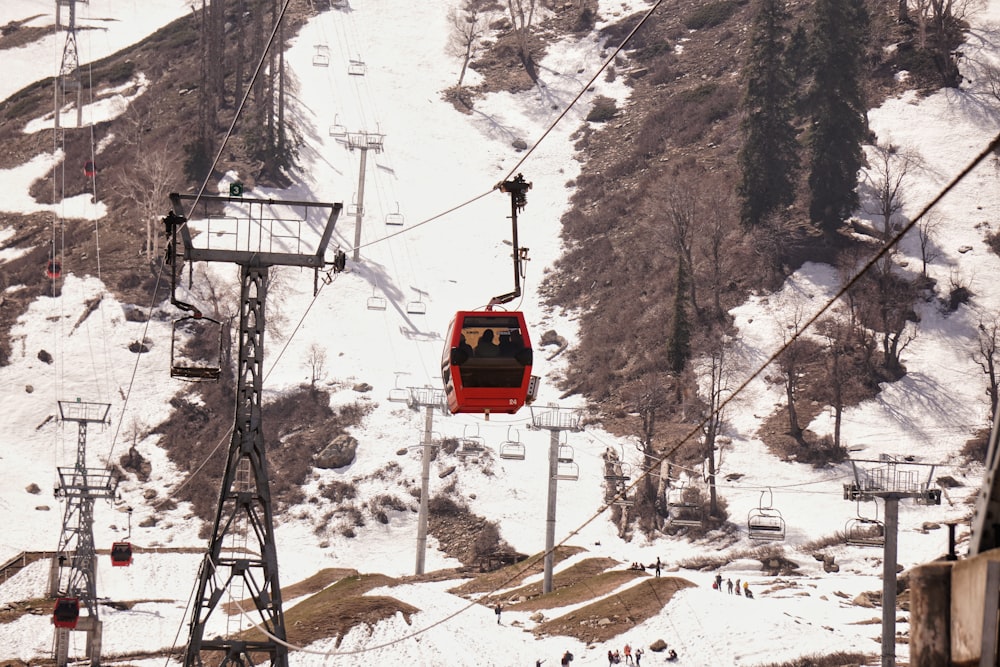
(339, 453)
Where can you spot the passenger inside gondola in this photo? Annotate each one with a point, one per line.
(491, 365)
(486, 347)
(466, 350)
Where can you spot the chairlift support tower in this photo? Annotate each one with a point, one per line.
(69, 68)
(249, 561)
(891, 481)
(74, 569)
(555, 420)
(429, 399)
(364, 142)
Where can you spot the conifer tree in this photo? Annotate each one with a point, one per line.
(768, 158)
(836, 107)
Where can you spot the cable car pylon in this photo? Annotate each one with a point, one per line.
(73, 576)
(487, 358)
(242, 552)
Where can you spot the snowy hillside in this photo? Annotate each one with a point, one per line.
(440, 167)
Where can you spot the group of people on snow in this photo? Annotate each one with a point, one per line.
(730, 587)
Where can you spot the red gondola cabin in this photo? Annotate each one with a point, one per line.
(53, 269)
(121, 554)
(486, 365)
(66, 613)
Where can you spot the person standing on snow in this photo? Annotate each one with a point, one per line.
(497, 610)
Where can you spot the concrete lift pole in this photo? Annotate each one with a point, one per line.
(891, 484)
(555, 420)
(429, 399)
(363, 141)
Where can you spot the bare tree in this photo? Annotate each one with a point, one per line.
(715, 393)
(649, 399)
(316, 360)
(790, 363)
(843, 378)
(926, 231)
(889, 168)
(146, 183)
(986, 354)
(468, 22)
(522, 13)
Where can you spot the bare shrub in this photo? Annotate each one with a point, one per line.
(603, 110)
(487, 540)
(710, 14)
(338, 491)
(975, 448)
(837, 659)
(443, 505)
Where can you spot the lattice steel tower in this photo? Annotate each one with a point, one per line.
(68, 80)
(242, 555)
(72, 579)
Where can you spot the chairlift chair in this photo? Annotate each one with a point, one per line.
(357, 67)
(471, 445)
(617, 471)
(619, 498)
(399, 394)
(337, 130)
(196, 348)
(121, 554)
(376, 302)
(681, 511)
(566, 468)
(352, 209)
(765, 523)
(395, 218)
(864, 532)
(53, 269)
(512, 448)
(417, 307)
(66, 612)
(322, 56)
(567, 471)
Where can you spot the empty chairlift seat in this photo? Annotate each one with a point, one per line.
(357, 67)
(322, 56)
(512, 448)
(196, 348)
(765, 524)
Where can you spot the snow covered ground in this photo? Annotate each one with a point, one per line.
(436, 160)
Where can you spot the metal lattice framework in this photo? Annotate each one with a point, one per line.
(242, 555)
(74, 569)
(69, 68)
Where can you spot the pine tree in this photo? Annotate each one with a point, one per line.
(768, 158)
(836, 106)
